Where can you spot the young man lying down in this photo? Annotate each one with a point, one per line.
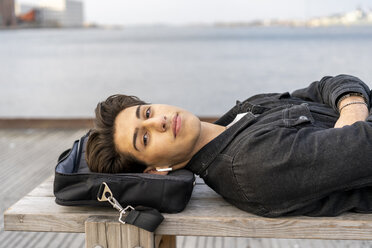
(308, 152)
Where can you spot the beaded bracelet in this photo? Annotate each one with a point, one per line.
(347, 104)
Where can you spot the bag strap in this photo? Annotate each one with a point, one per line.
(143, 217)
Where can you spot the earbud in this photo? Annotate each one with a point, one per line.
(164, 169)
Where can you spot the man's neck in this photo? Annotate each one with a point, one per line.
(208, 132)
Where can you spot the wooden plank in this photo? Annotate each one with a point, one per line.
(130, 236)
(113, 234)
(301, 227)
(168, 241)
(157, 240)
(146, 239)
(108, 232)
(95, 233)
(207, 214)
(28, 154)
(72, 123)
(43, 214)
(25, 164)
(45, 189)
(201, 217)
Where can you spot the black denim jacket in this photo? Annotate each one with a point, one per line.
(284, 157)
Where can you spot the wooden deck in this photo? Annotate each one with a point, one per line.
(28, 157)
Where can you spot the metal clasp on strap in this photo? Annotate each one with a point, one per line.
(105, 194)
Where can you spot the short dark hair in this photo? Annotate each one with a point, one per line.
(101, 153)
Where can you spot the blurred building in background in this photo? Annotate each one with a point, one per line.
(7, 16)
(358, 17)
(51, 13)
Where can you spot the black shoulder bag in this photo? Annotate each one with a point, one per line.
(143, 195)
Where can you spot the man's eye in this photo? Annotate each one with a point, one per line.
(145, 139)
(148, 112)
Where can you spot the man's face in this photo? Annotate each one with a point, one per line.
(157, 134)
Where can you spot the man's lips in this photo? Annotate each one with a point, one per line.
(176, 124)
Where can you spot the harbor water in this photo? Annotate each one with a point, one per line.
(63, 73)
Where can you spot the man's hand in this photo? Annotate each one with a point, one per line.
(353, 112)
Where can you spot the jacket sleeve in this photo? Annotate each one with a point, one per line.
(329, 89)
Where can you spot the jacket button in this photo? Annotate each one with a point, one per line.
(302, 117)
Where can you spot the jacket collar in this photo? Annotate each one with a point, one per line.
(205, 156)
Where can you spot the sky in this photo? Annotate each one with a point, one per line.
(180, 12)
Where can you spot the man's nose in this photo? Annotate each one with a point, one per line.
(158, 123)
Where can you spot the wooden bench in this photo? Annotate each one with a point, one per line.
(207, 214)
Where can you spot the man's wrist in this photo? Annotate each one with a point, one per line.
(343, 106)
(351, 97)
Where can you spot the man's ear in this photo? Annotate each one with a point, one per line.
(152, 170)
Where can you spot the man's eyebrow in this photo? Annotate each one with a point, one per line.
(138, 111)
(135, 138)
